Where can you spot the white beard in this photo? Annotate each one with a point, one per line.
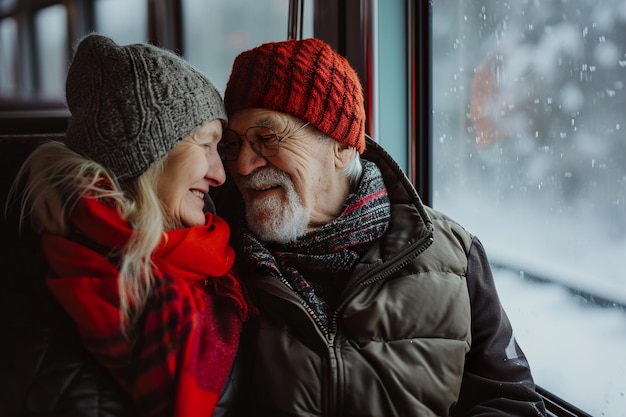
(271, 218)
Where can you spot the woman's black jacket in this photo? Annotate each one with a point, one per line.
(44, 369)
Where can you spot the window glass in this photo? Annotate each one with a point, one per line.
(6, 4)
(51, 50)
(8, 41)
(529, 153)
(216, 31)
(123, 21)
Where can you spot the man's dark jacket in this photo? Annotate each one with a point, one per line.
(418, 331)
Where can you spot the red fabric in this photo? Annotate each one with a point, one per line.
(177, 358)
(304, 78)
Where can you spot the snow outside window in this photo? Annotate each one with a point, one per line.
(529, 132)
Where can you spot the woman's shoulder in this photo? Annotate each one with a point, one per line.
(46, 370)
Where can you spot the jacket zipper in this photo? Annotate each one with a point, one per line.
(309, 311)
(332, 391)
(377, 276)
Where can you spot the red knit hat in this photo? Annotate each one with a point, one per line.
(304, 78)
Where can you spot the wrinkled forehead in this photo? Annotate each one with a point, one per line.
(243, 119)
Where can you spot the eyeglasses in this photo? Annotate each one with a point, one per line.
(263, 141)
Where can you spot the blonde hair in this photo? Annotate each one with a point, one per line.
(57, 178)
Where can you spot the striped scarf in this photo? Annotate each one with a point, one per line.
(183, 346)
(314, 264)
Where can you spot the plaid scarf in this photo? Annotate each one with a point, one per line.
(313, 265)
(180, 354)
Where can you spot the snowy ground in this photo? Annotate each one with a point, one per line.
(576, 350)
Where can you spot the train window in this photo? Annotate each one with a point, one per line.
(8, 35)
(5, 4)
(529, 153)
(217, 31)
(51, 50)
(208, 33)
(124, 21)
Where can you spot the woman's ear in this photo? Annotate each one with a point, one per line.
(343, 155)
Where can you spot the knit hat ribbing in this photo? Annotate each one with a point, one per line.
(132, 104)
(304, 78)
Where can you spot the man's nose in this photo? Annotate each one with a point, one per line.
(247, 160)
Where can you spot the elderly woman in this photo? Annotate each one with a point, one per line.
(134, 259)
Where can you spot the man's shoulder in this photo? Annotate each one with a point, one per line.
(449, 227)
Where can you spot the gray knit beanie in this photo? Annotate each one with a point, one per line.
(132, 104)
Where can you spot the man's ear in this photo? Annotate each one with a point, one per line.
(343, 155)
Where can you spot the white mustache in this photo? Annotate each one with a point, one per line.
(265, 178)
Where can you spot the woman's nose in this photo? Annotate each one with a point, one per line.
(216, 174)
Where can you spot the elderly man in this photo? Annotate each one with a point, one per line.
(372, 304)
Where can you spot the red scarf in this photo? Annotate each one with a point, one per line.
(179, 356)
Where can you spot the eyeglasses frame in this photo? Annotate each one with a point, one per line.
(241, 136)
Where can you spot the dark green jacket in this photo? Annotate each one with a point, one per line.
(419, 330)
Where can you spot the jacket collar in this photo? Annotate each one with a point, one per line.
(410, 226)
